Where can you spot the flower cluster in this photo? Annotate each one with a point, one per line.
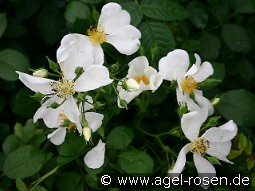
(216, 141)
(61, 107)
(67, 104)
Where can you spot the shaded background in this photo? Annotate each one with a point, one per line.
(222, 32)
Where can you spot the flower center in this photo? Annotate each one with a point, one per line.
(65, 122)
(189, 84)
(199, 146)
(96, 35)
(63, 88)
(142, 78)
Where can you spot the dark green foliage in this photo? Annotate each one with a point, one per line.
(146, 138)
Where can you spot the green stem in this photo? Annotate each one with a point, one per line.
(146, 133)
(39, 180)
(221, 23)
(54, 75)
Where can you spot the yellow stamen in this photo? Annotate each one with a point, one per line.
(96, 35)
(63, 88)
(199, 146)
(189, 85)
(142, 78)
(65, 122)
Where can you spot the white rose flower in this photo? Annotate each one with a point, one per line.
(146, 76)
(216, 142)
(60, 94)
(175, 67)
(113, 28)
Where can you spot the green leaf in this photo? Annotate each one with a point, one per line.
(72, 146)
(157, 34)
(23, 104)
(28, 131)
(213, 160)
(10, 144)
(39, 188)
(92, 1)
(24, 162)
(3, 23)
(246, 69)
(53, 65)
(250, 164)
(38, 97)
(238, 105)
(134, 10)
(199, 16)
(191, 45)
(61, 160)
(209, 83)
(18, 128)
(244, 6)
(55, 105)
(242, 143)
(210, 46)
(27, 8)
(38, 137)
(15, 28)
(213, 121)
(123, 103)
(158, 96)
(11, 61)
(2, 159)
(91, 180)
(220, 9)
(219, 71)
(135, 161)
(236, 38)
(234, 154)
(20, 185)
(248, 148)
(70, 181)
(76, 10)
(120, 137)
(166, 10)
(50, 24)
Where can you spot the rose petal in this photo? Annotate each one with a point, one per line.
(180, 161)
(49, 115)
(174, 65)
(75, 50)
(203, 102)
(95, 76)
(203, 165)
(72, 112)
(94, 120)
(191, 123)
(95, 157)
(125, 40)
(98, 55)
(128, 96)
(137, 66)
(112, 18)
(220, 150)
(155, 81)
(36, 84)
(88, 105)
(204, 169)
(224, 133)
(203, 72)
(57, 137)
